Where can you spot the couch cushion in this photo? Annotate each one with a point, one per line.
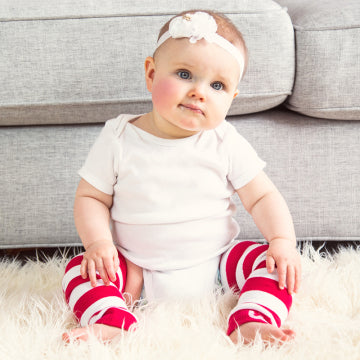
(327, 81)
(65, 61)
(308, 159)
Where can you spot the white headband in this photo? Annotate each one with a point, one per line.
(197, 26)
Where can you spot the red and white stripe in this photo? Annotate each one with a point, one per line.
(101, 304)
(243, 269)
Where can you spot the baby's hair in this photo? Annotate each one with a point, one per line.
(226, 29)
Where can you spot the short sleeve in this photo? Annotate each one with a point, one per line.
(99, 168)
(244, 162)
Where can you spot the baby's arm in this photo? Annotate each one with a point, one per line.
(271, 215)
(92, 216)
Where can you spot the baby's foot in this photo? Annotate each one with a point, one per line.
(268, 333)
(100, 331)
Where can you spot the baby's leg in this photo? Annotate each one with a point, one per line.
(262, 306)
(101, 310)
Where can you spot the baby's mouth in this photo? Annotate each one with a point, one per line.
(192, 108)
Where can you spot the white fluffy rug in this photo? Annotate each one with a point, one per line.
(325, 316)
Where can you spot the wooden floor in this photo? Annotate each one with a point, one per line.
(42, 254)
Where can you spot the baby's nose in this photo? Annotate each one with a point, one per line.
(198, 92)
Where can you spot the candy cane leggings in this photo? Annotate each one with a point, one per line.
(242, 268)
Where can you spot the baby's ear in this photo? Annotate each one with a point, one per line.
(236, 93)
(149, 72)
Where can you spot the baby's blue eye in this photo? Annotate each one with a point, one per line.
(183, 74)
(217, 85)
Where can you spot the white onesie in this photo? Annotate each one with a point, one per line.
(172, 210)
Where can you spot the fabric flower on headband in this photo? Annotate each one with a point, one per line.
(197, 26)
(193, 26)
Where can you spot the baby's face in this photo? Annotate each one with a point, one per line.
(192, 85)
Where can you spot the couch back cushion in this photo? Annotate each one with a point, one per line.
(327, 81)
(64, 61)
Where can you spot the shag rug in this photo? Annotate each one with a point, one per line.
(325, 316)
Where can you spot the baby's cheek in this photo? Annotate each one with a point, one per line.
(164, 93)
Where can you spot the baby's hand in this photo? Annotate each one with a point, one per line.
(101, 256)
(284, 255)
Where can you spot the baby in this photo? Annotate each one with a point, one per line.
(164, 182)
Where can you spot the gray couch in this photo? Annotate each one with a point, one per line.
(67, 66)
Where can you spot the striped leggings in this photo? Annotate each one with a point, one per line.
(242, 268)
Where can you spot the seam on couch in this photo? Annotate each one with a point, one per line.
(325, 108)
(77, 103)
(325, 28)
(120, 101)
